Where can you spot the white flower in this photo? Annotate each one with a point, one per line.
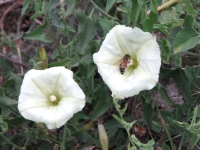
(50, 96)
(143, 67)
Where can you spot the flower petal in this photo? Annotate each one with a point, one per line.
(67, 87)
(34, 100)
(142, 47)
(131, 39)
(67, 108)
(46, 79)
(151, 61)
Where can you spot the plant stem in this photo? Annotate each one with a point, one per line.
(169, 136)
(15, 112)
(181, 143)
(121, 117)
(64, 135)
(26, 142)
(165, 128)
(55, 141)
(90, 16)
(129, 137)
(52, 33)
(103, 12)
(13, 144)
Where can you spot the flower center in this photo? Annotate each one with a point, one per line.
(53, 98)
(132, 63)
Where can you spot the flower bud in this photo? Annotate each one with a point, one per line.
(87, 126)
(103, 137)
(42, 53)
(43, 64)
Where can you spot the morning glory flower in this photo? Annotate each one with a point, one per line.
(128, 61)
(50, 96)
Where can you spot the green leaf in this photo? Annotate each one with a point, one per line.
(55, 20)
(165, 146)
(76, 117)
(109, 4)
(83, 69)
(64, 62)
(164, 95)
(13, 85)
(90, 85)
(148, 111)
(135, 11)
(38, 34)
(36, 6)
(189, 8)
(86, 31)
(153, 17)
(70, 7)
(186, 38)
(105, 25)
(194, 141)
(165, 51)
(177, 60)
(6, 101)
(101, 108)
(148, 146)
(103, 105)
(179, 113)
(18, 121)
(25, 6)
(182, 81)
(190, 73)
(91, 70)
(3, 125)
(43, 5)
(119, 140)
(37, 14)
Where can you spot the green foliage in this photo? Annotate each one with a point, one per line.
(86, 31)
(135, 11)
(71, 33)
(148, 112)
(37, 34)
(186, 38)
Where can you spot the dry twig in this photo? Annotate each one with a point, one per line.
(14, 5)
(17, 63)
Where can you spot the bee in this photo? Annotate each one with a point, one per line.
(125, 60)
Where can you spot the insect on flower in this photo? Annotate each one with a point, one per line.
(124, 63)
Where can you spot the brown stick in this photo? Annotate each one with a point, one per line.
(16, 4)
(17, 63)
(163, 6)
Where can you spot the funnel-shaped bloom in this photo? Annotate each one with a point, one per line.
(128, 61)
(50, 96)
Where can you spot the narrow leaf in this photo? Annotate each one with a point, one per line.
(6, 101)
(86, 31)
(105, 25)
(182, 81)
(148, 111)
(37, 14)
(186, 38)
(109, 4)
(135, 11)
(25, 6)
(64, 62)
(189, 8)
(38, 34)
(153, 17)
(70, 7)
(165, 96)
